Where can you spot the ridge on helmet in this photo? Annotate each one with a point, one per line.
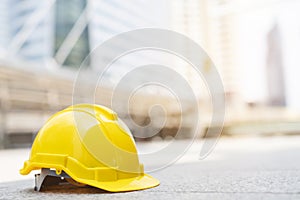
(87, 144)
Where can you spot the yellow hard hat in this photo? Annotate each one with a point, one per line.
(90, 145)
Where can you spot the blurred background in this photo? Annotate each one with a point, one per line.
(253, 43)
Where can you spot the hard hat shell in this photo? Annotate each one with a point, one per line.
(91, 145)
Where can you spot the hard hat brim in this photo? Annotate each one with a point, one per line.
(140, 182)
(144, 181)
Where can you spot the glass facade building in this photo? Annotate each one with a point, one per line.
(41, 30)
(66, 15)
(26, 29)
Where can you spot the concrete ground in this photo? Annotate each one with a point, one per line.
(238, 168)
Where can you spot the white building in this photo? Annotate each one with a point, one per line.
(35, 30)
(27, 29)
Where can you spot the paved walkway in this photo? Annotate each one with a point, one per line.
(243, 168)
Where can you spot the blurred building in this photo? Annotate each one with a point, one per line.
(67, 14)
(4, 25)
(256, 62)
(213, 30)
(26, 32)
(69, 30)
(275, 71)
(58, 35)
(188, 17)
(40, 43)
(108, 18)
